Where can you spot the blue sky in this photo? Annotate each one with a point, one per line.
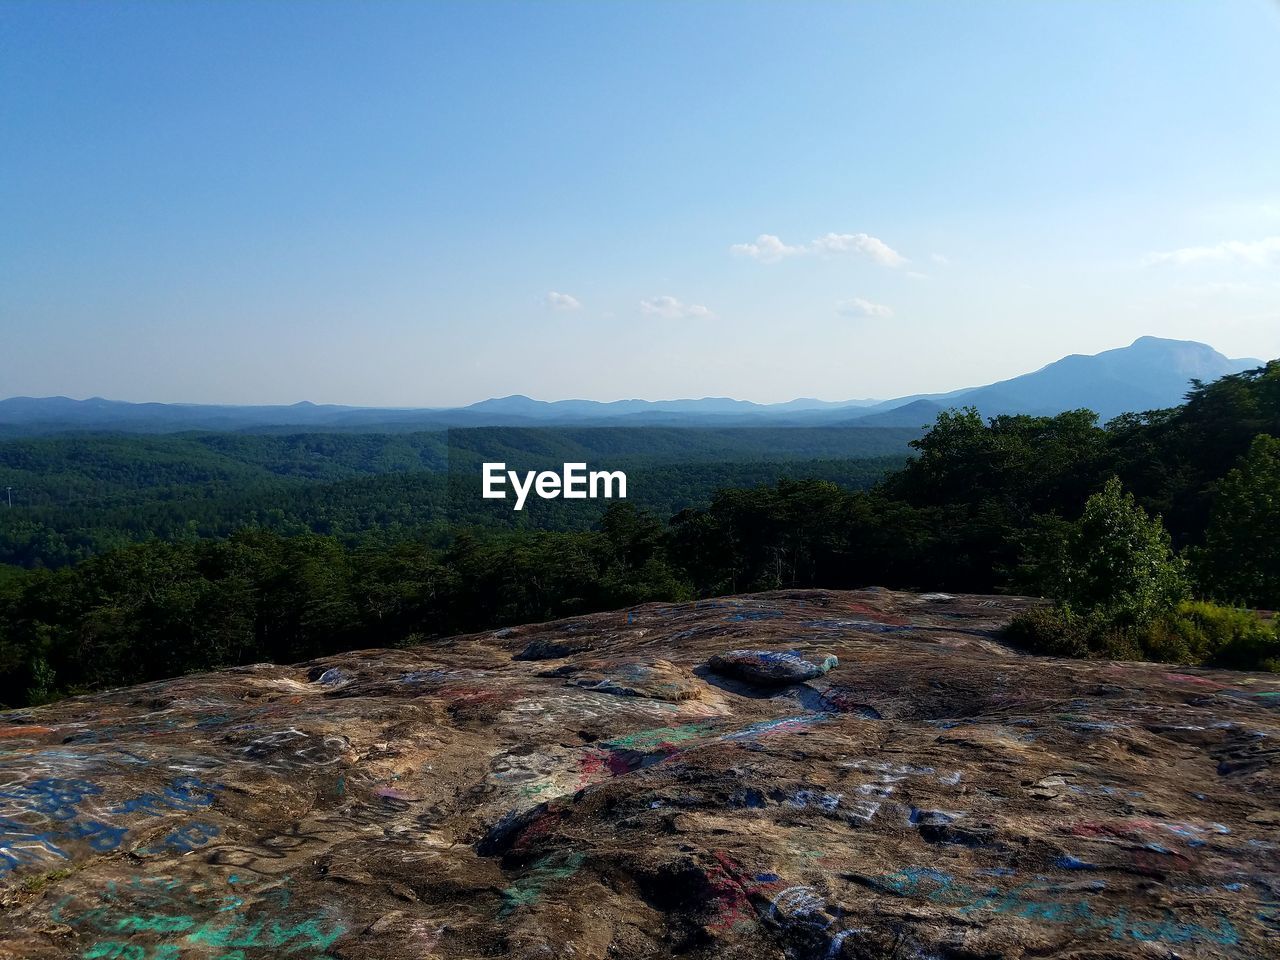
(426, 203)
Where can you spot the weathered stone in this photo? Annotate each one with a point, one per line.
(554, 648)
(770, 666)
(657, 679)
(947, 797)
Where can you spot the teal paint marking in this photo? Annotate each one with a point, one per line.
(528, 889)
(199, 922)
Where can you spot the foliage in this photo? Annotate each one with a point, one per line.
(159, 609)
(77, 497)
(150, 557)
(1115, 562)
(1171, 459)
(1196, 633)
(1241, 556)
(1053, 631)
(1217, 636)
(1027, 464)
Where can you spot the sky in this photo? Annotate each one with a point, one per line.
(427, 204)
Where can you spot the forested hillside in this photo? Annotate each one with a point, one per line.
(1170, 506)
(383, 508)
(75, 496)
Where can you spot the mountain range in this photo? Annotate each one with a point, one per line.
(1150, 373)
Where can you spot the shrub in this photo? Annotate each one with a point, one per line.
(1115, 578)
(1118, 563)
(1053, 631)
(1224, 636)
(1197, 633)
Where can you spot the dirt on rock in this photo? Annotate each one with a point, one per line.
(590, 789)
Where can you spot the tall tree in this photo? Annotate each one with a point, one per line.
(1118, 563)
(1241, 557)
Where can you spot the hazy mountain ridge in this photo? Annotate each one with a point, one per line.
(1148, 374)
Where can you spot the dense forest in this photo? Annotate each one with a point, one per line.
(1130, 528)
(78, 496)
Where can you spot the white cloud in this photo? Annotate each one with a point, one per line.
(768, 248)
(940, 258)
(669, 308)
(1257, 253)
(561, 301)
(858, 307)
(860, 243)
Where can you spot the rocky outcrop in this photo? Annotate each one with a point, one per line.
(770, 667)
(590, 789)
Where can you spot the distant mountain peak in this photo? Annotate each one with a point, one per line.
(1151, 372)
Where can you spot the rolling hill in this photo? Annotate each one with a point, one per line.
(1150, 373)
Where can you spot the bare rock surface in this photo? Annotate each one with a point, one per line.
(770, 667)
(590, 789)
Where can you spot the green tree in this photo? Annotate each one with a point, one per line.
(1117, 563)
(1241, 556)
(1025, 464)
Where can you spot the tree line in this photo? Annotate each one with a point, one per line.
(1154, 535)
(77, 496)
